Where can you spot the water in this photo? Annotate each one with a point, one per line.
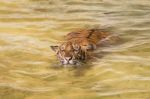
(29, 69)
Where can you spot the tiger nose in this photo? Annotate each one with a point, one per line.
(68, 58)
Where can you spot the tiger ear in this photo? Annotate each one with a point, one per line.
(54, 48)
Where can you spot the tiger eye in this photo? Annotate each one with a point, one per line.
(76, 47)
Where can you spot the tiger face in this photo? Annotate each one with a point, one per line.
(70, 53)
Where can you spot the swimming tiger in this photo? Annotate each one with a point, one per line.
(78, 45)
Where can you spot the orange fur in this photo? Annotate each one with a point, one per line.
(86, 37)
(78, 44)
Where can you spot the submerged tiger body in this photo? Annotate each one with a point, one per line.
(78, 45)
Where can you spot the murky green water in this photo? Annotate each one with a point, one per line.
(28, 67)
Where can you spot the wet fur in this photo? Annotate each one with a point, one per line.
(87, 38)
(79, 44)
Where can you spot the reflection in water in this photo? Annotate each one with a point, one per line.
(30, 70)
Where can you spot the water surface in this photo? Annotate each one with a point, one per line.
(29, 69)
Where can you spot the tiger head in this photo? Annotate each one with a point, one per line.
(70, 53)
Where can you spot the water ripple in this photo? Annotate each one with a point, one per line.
(114, 92)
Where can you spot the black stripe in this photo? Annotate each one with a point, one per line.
(91, 32)
(83, 55)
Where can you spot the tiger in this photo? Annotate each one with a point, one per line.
(78, 45)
